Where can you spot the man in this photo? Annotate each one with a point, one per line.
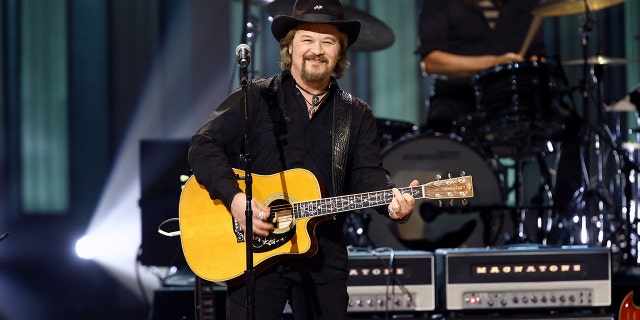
(299, 118)
(462, 38)
(459, 38)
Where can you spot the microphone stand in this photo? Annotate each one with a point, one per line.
(250, 271)
(250, 281)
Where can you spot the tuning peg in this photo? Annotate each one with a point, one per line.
(439, 203)
(451, 202)
(438, 177)
(462, 173)
(449, 175)
(464, 202)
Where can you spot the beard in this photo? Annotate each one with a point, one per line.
(315, 74)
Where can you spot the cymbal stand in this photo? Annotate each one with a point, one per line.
(591, 200)
(520, 210)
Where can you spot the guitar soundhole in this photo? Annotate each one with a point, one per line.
(282, 218)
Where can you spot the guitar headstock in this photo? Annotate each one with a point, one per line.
(448, 189)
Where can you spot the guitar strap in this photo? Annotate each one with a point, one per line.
(341, 128)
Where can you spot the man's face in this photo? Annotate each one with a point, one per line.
(315, 50)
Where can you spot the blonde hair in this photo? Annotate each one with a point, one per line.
(341, 66)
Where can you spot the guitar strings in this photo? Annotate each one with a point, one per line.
(285, 206)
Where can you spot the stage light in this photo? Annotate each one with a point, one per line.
(83, 248)
(113, 237)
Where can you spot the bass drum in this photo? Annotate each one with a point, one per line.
(475, 224)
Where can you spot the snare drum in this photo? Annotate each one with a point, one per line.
(423, 158)
(518, 104)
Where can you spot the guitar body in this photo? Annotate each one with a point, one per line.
(210, 242)
(628, 309)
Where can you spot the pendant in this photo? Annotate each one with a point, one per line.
(315, 101)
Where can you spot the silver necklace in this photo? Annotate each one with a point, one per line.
(315, 99)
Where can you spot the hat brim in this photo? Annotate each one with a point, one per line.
(282, 24)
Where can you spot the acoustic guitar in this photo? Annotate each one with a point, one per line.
(214, 244)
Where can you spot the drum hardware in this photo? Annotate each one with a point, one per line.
(590, 221)
(356, 229)
(542, 203)
(520, 112)
(630, 254)
(592, 218)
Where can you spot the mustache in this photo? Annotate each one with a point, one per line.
(316, 57)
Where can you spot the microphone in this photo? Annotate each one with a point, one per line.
(243, 53)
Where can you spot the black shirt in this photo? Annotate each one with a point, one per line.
(281, 137)
(456, 27)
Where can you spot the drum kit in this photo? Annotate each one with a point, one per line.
(525, 115)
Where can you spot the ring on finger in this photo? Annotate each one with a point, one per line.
(261, 215)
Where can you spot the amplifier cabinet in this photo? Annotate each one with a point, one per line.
(398, 281)
(523, 277)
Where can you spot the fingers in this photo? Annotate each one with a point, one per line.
(261, 227)
(402, 204)
(510, 57)
(260, 215)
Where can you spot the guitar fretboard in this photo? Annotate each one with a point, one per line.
(334, 205)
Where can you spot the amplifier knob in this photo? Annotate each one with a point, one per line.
(572, 298)
(552, 299)
(369, 302)
(543, 299)
(490, 303)
(515, 300)
(563, 299)
(503, 302)
(525, 299)
(359, 303)
(534, 299)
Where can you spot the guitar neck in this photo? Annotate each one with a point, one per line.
(455, 188)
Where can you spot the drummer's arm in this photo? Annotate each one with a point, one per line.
(458, 66)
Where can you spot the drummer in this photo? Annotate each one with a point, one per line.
(459, 38)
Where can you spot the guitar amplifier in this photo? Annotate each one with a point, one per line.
(391, 281)
(523, 277)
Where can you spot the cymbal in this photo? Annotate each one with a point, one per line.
(256, 2)
(566, 7)
(374, 34)
(597, 60)
(622, 105)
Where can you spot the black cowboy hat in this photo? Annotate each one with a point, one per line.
(316, 11)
